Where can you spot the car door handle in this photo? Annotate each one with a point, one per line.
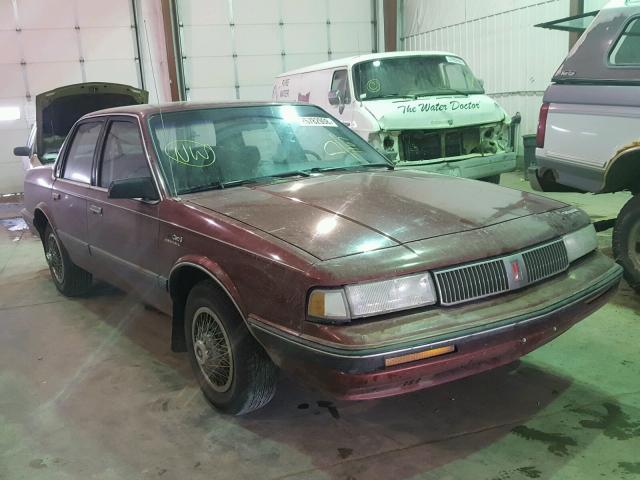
(95, 209)
(55, 196)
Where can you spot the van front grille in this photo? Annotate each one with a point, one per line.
(419, 145)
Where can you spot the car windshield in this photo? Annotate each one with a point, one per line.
(413, 77)
(214, 148)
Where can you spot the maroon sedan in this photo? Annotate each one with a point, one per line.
(277, 238)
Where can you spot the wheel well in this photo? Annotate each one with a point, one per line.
(40, 221)
(624, 174)
(182, 280)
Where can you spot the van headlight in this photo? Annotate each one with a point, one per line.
(373, 298)
(580, 242)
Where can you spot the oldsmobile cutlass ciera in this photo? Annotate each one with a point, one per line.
(277, 238)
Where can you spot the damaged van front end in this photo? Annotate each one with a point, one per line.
(445, 124)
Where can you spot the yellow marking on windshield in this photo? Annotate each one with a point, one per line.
(340, 146)
(190, 153)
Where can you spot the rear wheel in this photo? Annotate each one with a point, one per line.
(492, 179)
(626, 241)
(68, 278)
(232, 369)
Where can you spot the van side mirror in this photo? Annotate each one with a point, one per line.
(335, 97)
(22, 151)
(141, 187)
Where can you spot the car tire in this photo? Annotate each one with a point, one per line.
(242, 377)
(626, 241)
(69, 279)
(492, 179)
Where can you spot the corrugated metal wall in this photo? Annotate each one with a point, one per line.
(498, 40)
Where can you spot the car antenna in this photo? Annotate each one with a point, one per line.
(155, 87)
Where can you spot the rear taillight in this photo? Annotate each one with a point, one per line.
(542, 125)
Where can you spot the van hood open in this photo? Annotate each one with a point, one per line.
(58, 109)
(439, 112)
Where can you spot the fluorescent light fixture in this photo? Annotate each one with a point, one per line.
(8, 114)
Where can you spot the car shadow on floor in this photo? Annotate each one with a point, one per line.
(314, 436)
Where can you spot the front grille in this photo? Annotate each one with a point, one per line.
(472, 281)
(545, 261)
(419, 145)
(483, 279)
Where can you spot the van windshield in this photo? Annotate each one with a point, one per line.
(214, 148)
(413, 77)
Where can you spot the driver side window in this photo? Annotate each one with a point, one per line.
(123, 155)
(340, 82)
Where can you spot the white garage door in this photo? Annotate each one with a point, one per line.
(233, 49)
(49, 44)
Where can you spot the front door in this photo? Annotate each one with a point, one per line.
(123, 233)
(69, 195)
(344, 110)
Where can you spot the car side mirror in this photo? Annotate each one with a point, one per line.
(22, 151)
(335, 97)
(141, 187)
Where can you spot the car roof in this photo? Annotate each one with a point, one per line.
(145, 110)
(350, 61)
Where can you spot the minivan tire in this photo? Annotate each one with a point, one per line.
(241, 378)
(626, 241)
(69, 279)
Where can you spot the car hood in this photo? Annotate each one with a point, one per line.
(435, 112)
(335, 215)
(58, 109)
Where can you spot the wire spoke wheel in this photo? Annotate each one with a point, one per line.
(212, 349)
(54, 258)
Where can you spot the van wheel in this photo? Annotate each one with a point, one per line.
(626, 241)
(232, 369)
(492, 179)
(68, 278)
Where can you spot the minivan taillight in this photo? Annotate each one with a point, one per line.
(542, 125)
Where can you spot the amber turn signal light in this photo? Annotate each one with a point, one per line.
(412, 357)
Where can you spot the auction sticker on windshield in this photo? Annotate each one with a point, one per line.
(316, 122)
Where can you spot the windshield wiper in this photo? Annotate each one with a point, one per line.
(388, 95)
(441, 92)
(350, 167)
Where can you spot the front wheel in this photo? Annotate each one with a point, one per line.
(626, 241)
(232, 369)
(69, 279)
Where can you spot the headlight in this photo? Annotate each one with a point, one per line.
(580, 242)
(374, 298)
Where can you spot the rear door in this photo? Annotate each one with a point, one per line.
(69, 194)
(123, 233)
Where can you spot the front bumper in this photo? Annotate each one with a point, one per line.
(359, 374)
(467, 167)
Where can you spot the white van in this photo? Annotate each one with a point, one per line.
(423, 110)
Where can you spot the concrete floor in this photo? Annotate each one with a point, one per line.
(90, 390)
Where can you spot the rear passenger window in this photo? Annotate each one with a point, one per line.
(80, 157)
(627, 49)
(123, 155)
